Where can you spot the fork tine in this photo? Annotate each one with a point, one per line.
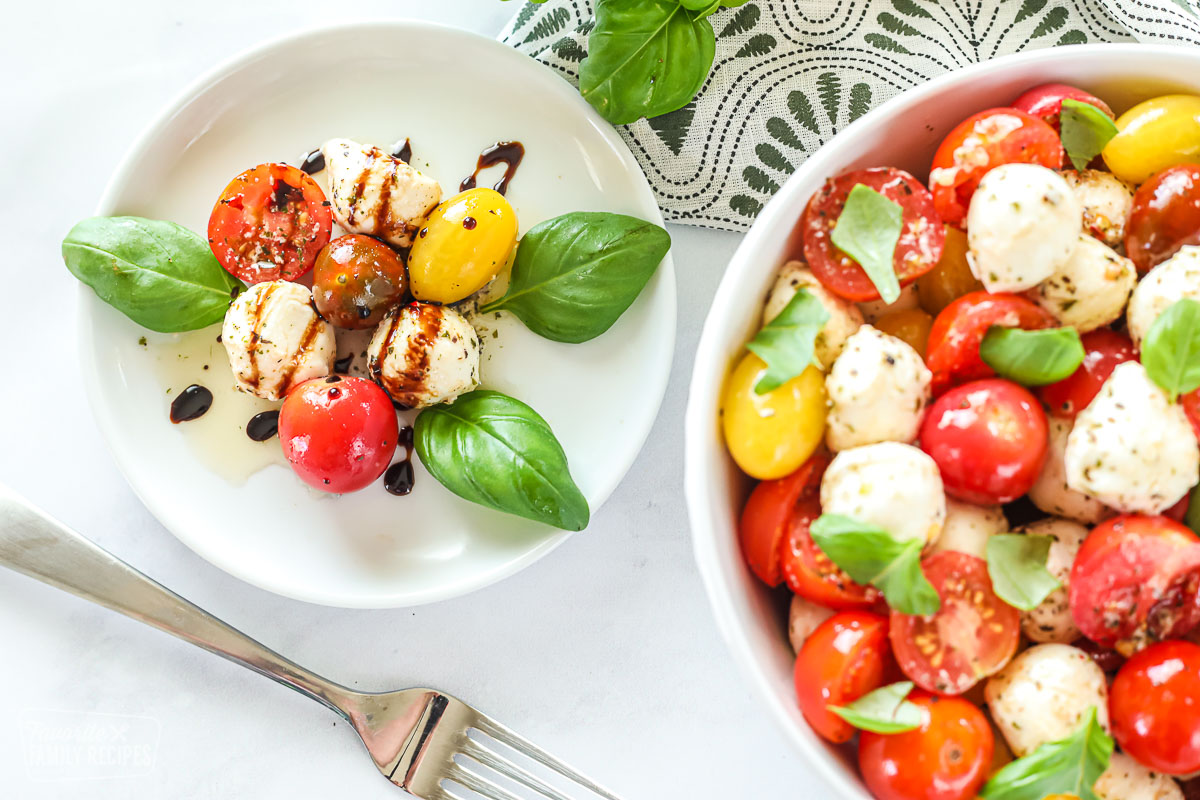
(487, 758)
(524, 746)
(445, 792)
(480, 784)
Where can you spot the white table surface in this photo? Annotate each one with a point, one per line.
(604, 652)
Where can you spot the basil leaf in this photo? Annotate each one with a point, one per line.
(159, 274)
(872, 555)
(1171, 351)
(1032, 358)
(575, 275)
(867, 230)
(883, 711)
(1085, 130)
(1069, 766)
(788, 341)
(494, 450)
(1017, 565)
(1192, 518)
(645, 58)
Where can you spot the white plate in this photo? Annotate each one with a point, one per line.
(452, 93)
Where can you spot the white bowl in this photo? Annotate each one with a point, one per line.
(903, 132)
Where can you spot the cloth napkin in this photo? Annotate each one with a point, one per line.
(789, 74)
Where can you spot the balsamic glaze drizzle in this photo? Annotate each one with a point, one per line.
(398, 479)
(510, 153)
(192, 403)
(263, 426)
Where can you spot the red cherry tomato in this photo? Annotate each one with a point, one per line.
(1136, 580)
(269, 224)
(1154, 704)
(917, 251)
(979, 144)
(947, 758)
(1103, 348)
(953, 352)
(1045, 101)
(1106, 659)
(338, 433)
(1178, 512)
(1165, 216)
(973, 634)
(1191, 407)
(844, 658)
(809, 572)
(767, 517)
(988, 439)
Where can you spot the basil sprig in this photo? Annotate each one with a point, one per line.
(1171, 350)
(788, 341)
(1085, 130)
(867, 230)
(1017, 566)
(869, 554)
(884, 710)
(1069, 766)
(1032, 358)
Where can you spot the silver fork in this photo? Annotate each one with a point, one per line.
(427, 742)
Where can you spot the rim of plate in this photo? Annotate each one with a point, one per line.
(103, 414)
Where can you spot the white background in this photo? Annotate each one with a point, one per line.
(604, 652)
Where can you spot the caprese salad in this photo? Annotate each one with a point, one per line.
(973, 409)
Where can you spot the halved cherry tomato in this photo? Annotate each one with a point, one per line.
(951, 278)
(269, 224)
(917, 251)
(947, 758)
(972, 636)
(767, 517)
(910, 325)
(844, 658)
(1103, 348)
(1191, 407)
(1136, 580)
(810, 573)
(1045, 101)
(979, 144)
(1154, 704)
(1165, 216)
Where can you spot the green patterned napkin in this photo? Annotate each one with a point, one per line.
(789, 74)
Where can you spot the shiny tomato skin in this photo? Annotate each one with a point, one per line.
(947, 758)
(768, 514)
(1165, 216)
(338, 433)
(1154, 705)
(917, 251)
(1191, 407)
(843, 659)
(1104, 349)
(988, 439)
(1045, 102)
(810, 573)
(356, 280)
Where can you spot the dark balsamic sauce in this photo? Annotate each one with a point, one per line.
(469, 223)
(402, 151)
(263, 426)
(312, 162)
(192, 403)
(508, 153)
(398, 479)
(342, 365)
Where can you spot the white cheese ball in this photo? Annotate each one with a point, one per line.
(1125, 779)
(1044, 694)
(968, 528)
(894, 486)
(1107, 202)
(1132, 448)
(1172, 280)
(376, 194)
(803, 618)
(424, 354)
(1022, 226)
(276, 339)
(907, 301)
(878, 389)
(1051, 621)
(1091, 289)
(844, 316)
(1051, 493)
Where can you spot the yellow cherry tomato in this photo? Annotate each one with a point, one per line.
(1154, 135)
(910, 326)
(462, 245)
(951, 278)
(770, 435)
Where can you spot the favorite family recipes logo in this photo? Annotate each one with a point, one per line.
(79, 745)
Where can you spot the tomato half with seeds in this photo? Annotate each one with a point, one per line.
(844, 658)
(1103, 349)
(768, 516)
(1165, 216)
(810, 573)
(1045, 102)
(1154, 704)
(269, 224)
(917, 251)
(973, 635)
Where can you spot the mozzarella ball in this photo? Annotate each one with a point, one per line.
(1125, 779)
(1107, 202)
(874, 309)
(1044, 694)
(1051, 621)
(844, 316)
(1022, 226)
(1174, 279)
(894, 486)
(1132, 448)
(968, 528)
(878, 389)
(1051, 493)
(803, 618)
(376, 194)
(424, 354)
(1091, 289)
(276, 339)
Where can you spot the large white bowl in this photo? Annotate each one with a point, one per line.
(903, 132)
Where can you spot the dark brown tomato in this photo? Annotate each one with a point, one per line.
(357, 280)
(1165, 216)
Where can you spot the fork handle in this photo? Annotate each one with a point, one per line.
(39, 546)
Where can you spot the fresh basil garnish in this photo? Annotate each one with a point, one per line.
(867, 230)
(1032, 358)
(575, 275)
(872, 555)
(1085, 130)
(159, 274)
(494, 450)
(1171, 350)
(883, 711)
(1069, 766)
(1017, 565)
(788, 341)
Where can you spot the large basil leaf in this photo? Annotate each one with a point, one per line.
(867, 230)
(1171, 351)
(1017, 566)
(787, 343)
(159, 274)
(575, 275)
(1069, 766)
(645, 58)
(1085, 131)
(494, 450)
(884, 710)
(1032, 358)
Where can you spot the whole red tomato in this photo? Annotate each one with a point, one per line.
(1104, 349)
(767, 517)
(1154, 705)
(1045, 101)
(1165, 216)
(845, 657)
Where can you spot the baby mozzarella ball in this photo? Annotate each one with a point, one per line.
(1051, 621)
(1175, 279)
(844, 316)
(424, 354)
(1107, 202)
(1091, 289)
(968, 528)
(894, 486)
(1125, 779)
(1022, 226)
(878, 389)
(1051, 493)
(803, 618)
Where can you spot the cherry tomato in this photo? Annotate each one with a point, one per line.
(979, 144)
(951, 278)
(1045, 101)
(1136, 580)
(1103, 348)
(357, 280)
(462, 245)
(910, 325)
(844, 658)
(917, 251)
(1106, 659)
(338, 433)
(770, 435)
(269, 224)
(1191, 407)
(1165, 216)
(947, 758)
(972, 636)
(1153, 135)
(988, 439)
(1178, 512)
(767, 516)
(1154, 704)
(810, 573)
